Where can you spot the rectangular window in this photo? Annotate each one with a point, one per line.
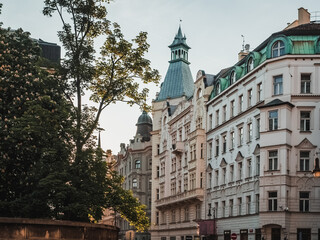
(258, 165)
(210, 122)
(273, 120)
(239, 206)
(249, 127)
(240, 103)
(273, 201)
(173, 188)
(231, 173)
(259, 92)
(224, 143)
(304, 234)
(240, 131)
(217, 147)
(209, 180)
(217, 178)
(248, 207)
(277, 85)
(231, 140)
(257, 202)
(304, 201)
(232, 106)
(231, 207)
(273, 160)
(239, 170)
(173, 164)
(304, 160)
(305, 83)
(157, 218)
(217, 118)
(250, 98)
(198, 211)
(186, 214)
(224, 175)
(210, 150)
(258, 128)
(185, 183)
(223, 208)
(158, 194)
(305, 121)
(173, 216)
(224, 113)
(249, 168)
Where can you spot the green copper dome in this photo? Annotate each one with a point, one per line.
(178, 81)
(144, 118)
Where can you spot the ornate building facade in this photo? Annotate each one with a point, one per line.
(263, 139)
(179, 149)
(134, 162)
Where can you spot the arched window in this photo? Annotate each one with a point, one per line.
(233, 77)
(250, 65)
(278, 49)
(134, 183)
(138, 164)
(199, 93)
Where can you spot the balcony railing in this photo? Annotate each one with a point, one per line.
(187, 196)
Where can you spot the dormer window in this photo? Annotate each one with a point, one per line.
(218, 90)
(233, 77)
(250, 65)
(278, 49)
(199, 93)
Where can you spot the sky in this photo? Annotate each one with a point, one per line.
(213, 30)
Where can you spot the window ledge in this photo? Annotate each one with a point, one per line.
(308, 131)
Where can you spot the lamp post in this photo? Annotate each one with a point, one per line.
(214, 221)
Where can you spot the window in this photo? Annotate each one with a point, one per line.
(232, 140)
(248, 207)
(231, 207)
(232, 108)
(257, 202)
(158, 171)
(201, 150)
(304, 201)
(186, 214)
(258, 128)
(210, 150)
(209, 180)
(305, 83)
(304, 234)
(187, 130)
(223, 203)
(272, 201)
(217, 118)
(158, 193)
(173, 216)
(239, 206)
(249, 128)
(273, 120)
(134, 183)
(250, 98)
(173, 164)
(224, 113)
(162, 191)
(164, 219)
(224, 143)
(138, 164)
(185, 182)
(224, 175)
(277, 49)
(210, 122)
(249, 168)
(273, 160)
(180, 134)
(217, 177)
(163, 168)
(158, 149)
(258, 165)
(250, 65)
(217, 147)
(239, 170)
(173, 188)
(259, 92)
(305, 121)
(233, 77)
(240, 131)
(199, 123)
(157, 218)
(304, 160)
(277, 85)
(231, 173)
(218, 88)
(192, 181)
(198, 211)
(240, 103)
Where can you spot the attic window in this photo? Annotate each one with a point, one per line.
(250, 65)
(218, 89)
(233, 77)
(199, 94)
(277, 49)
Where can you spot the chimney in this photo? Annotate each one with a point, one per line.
(244, 52)
(303, 16)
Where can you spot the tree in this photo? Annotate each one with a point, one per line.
(36, 126)
(112, 77)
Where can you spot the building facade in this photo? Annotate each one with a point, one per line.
(134, 162)
(179, 149)
(263, 139)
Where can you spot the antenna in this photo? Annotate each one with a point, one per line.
(242, 42)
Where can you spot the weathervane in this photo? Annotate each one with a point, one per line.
(242, 42)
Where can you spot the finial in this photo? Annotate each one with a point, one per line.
(242, 42)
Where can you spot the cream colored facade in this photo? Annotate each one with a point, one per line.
(263, 140)
(178, 171)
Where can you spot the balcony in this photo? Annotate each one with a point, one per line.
(178, 148)
(190, 196)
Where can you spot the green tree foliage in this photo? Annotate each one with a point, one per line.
(35, 131)
(115, 76)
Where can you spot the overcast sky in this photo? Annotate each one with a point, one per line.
(213, 30)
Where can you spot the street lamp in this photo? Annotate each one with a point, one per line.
(316, 170)
(214, 220)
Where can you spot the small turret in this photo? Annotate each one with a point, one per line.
(144, 126)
